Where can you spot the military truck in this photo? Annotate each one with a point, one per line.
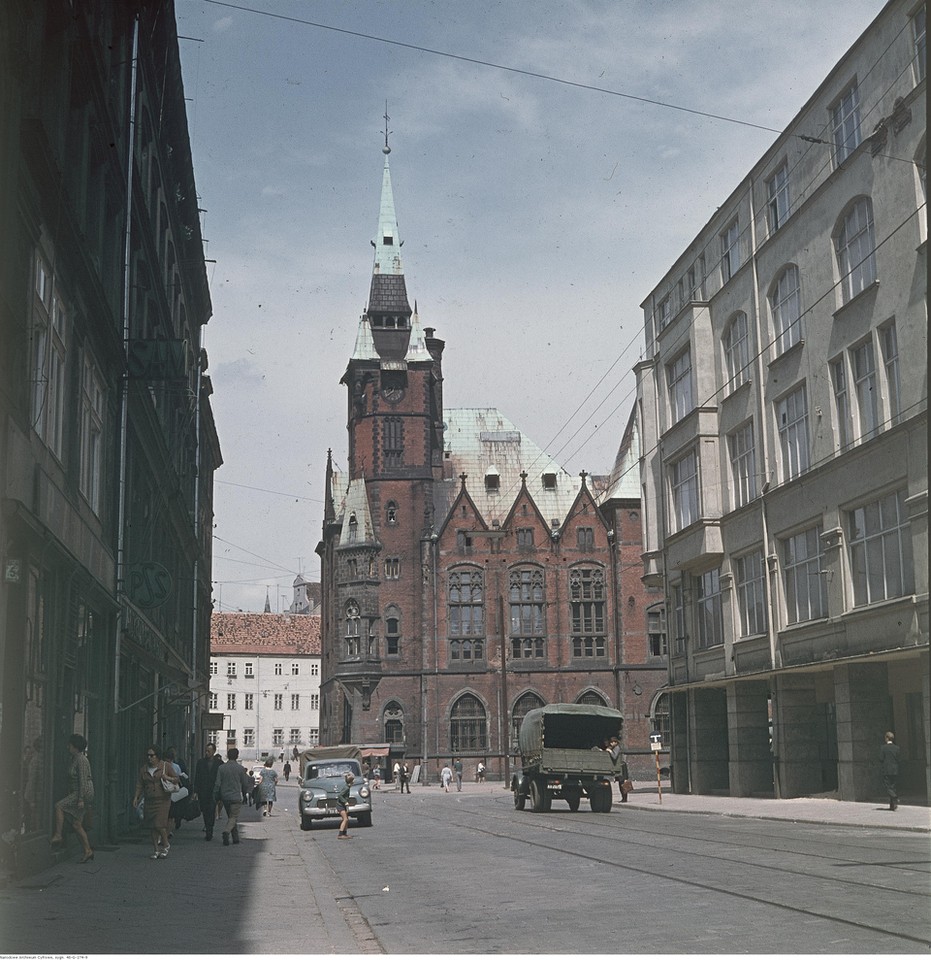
(562, 759)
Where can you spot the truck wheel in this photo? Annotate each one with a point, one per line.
(574, 799)
(594, 798)
(607, 798)
(306, 823)
(547, 800)
(537, 797)
(520, 800)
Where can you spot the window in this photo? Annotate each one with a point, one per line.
(466, 624)
(394, 722)
(492, 482)
(352, 568)
(806, 596)
(231, 669)
(295, 669)
(661, 718)
(864, 380)
(467, 726)
(656, 630)
(918, 34)
(314, 738)
(742, 451)
(295, 701)
(856, 250)
(792, 420)
(785, 303)
(525, 703)
(50, 326)
(549, 481)
(248, 736)
(890, 349)
(393, 442)
(585, 538)
(664, 312)
(737, 350)
(392, 568)
(683, 482)
(353, 630)
(315, 669)
(353, 529)
(315, 701)
(231, 701)
(278, 737)
(525, 536)
(845, 124)
(249, 670)
(277, 669)
(526, 599)
(708, 609)
(841, 402)
(213, 668)
(880, 550)
(464, 541)
(730, 252)
(250, 701)
(591, 699)
(777, 191)
(279, 701)
(679, 377)
(92, 416)
(213, 701)
(751, 596)
(392, 631)
(391, 512)
(587, 611)
(295, 735)
(678, 612)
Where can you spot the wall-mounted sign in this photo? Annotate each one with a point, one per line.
(157, 360)
(148, 584)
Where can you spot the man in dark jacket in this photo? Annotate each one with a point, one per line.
(205, 779)
(232, 781)
(889, 765)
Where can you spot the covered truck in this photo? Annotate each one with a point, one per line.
(562, 758)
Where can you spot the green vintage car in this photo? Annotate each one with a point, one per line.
(323, 776)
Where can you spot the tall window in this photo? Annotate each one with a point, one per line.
(295, 735)
(845, 124)
(392, 631)
(678, 613)
(393, 442)
(803, 576)
(880, 549)
(249, 669)
(737, 350)
(656, 630)
(295, 701)
(525, 703)
(890, 348)
(730, 252)
(664, 312)
(467, 725)
(213, 701)
(792, 420)
(525, 536)
(50, 343)
(785, 303)
(708, 609)
(466, 624)
(231, 701)
(315, 701)
(92, 419)
(295, 669)
(742, 450)
(841, 402)
(392, 568)
(526, 599)
(277, 669)
(751, 596)
(864, 379)
(393, 718)
(683, 486)
(353, 630)
(248, 737)
(856, 249)
(679, 376)
(213, 668)
(279, 701)
(278, 737)
(777, 204)
(249, 701)
(231, 668)
(918, 35)
(585, 538)
(391, 512)
(587, 610)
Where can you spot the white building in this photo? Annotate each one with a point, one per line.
(783, 412)
(265, 680)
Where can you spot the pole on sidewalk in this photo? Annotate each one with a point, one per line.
(656, 744)
(659, 785)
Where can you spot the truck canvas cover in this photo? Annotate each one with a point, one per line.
(565, 735)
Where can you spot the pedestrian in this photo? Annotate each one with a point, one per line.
(232, 785)
(205, 779)
(376, 776)
(396, 770)
(480, 772)
(157, 799)
(266, 788)
(77, 805)
(342, 804)
(889, 765)
(286, 770)
(457, 769)
(446, 776)
(178, 802)
(405, 778)
(620, 768)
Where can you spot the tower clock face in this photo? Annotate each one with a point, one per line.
(392, 394)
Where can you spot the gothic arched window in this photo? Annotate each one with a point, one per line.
(525, 703)
(467, 725)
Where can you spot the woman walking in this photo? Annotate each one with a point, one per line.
(76, 806)
(157, 799)
(267, 795)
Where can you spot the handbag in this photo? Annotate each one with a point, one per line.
(169, 786)
(178, 794)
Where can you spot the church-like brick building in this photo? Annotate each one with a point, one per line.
(466, 576)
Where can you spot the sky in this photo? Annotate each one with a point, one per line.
(538, 206)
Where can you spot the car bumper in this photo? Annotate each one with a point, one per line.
(321, 809)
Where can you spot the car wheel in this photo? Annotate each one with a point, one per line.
(306, 823)
(537, 797)
(520, 800)
(364, 819)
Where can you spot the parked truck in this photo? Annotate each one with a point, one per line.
(562, 757)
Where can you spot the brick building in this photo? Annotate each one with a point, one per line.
(466, 576)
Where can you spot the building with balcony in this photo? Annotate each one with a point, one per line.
(783, 408)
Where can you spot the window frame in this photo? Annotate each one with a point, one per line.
(845, 124)
(737, 350)
(856, 232)
(788, 324)
(889, 350)
(730, 250)
(527, 613)
(91, 440)
(749, 577)
(588, 612)
(866, 389)
(709, 609)
(864, 546)
(842, 413)
(465, 614)
(777, 198)
(796, 456)
(679, 383)
(800, 552)
(743, 454)
(684, 491)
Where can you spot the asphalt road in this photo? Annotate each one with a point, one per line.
(466, 873)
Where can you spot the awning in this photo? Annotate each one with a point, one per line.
(375, 749)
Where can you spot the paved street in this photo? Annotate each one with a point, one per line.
(466, 873)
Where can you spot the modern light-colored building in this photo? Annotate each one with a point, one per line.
(265, 682)
(783, 410)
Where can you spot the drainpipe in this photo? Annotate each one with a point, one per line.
(195, 725)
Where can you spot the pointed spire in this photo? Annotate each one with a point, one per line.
(365, 344)
(387, 241)
(268, 605)
(417, 348)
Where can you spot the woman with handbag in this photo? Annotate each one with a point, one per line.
(76, 806)
(157, 782)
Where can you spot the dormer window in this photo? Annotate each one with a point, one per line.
(353, 528)
(492, 481)
(549, 481)
(388, 241)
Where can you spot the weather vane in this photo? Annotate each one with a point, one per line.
(386, 149)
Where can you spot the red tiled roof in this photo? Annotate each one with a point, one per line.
(265, 634)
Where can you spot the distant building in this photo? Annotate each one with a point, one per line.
(467, 577)
(265, 682)
(306, 596)
(783, 408)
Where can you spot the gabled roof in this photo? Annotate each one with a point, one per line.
(356, 513)
(624, 483)
(265, 634)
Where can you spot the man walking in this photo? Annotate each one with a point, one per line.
(457, 768)
(889, 765)
(205, 780)
(232, 783)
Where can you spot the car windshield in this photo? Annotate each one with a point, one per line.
(334, 768)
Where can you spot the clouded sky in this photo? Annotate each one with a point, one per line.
(536, 215)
